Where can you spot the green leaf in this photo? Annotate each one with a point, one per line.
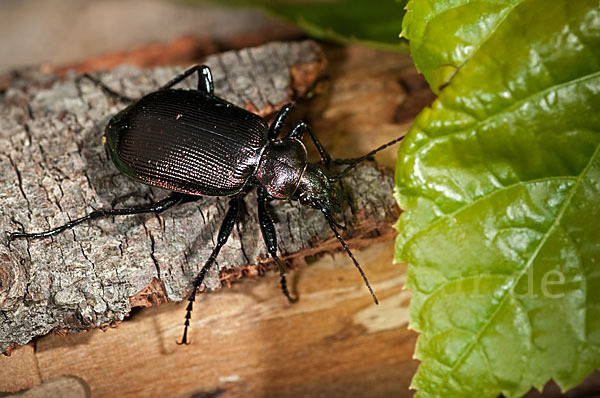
(444, 34)
(372, 22)
(500, 180)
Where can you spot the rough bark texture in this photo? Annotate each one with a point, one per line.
(53, 168)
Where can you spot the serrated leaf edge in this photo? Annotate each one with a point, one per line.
(476, 47)
(515, 281)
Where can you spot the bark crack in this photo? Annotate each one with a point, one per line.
(20, 182)
(152, 250)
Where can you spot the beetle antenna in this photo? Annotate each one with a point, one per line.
(354, 162)
(347, 249)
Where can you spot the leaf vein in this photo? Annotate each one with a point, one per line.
(474, 127)
(485, 38)
(489, 195)
(534, 255)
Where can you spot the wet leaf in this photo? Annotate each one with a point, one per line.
(500, 180)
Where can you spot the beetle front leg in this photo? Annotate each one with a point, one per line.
(298, 132)
(279, 121)
(205, 79)
(268, 232)
(224, 232)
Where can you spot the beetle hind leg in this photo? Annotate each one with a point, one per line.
(174, 199)
(226, 227)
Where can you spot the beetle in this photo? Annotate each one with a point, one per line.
(193, 143)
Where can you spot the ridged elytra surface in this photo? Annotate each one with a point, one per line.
(187, 141)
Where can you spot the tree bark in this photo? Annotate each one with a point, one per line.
(54, 169)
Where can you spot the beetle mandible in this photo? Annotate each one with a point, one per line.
(194, 144)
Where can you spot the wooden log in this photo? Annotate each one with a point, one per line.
(54, 169)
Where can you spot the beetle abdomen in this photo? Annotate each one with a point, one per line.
(187, 141)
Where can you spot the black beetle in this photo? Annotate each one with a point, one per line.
(194, 143)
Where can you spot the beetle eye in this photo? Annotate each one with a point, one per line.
(304, 200)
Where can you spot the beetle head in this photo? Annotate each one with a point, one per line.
(315, 191)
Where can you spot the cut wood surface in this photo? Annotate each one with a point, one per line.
(55, 169)
(247, 341)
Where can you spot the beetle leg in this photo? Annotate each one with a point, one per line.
(268, 232)
(158, 207)
(224, 232)
(105, 88)
(279, 121)
(205, 80)
(299, 130)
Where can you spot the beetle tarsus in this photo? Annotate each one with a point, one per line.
(283, 281)
(188, 317)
